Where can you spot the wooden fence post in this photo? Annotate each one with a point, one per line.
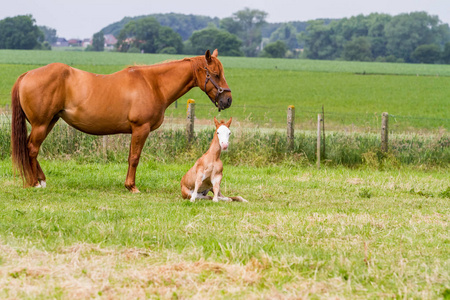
(319, 119)
(290, 127)
(384, 132)
(190, 119)
(323, 133)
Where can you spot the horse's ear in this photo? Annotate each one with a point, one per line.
(208, 56)
(215, 53)
(228, 123)
(216, 122)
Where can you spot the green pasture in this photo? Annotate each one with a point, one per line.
(335, 232)
(123, 59)
(367, 225)
(263, 88)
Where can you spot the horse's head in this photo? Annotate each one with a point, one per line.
(215, 85)
(223, 132)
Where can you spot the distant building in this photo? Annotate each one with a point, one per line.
(87, 42)
(75, 42)
(110, 41)
(61, 42)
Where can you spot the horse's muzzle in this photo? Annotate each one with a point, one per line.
(225, 102)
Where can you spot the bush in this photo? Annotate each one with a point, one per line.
(134, 50)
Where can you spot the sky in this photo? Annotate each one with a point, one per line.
(82, 18)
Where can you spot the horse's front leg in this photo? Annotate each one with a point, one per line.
(139, 135)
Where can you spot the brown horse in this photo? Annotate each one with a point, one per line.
(129, 101)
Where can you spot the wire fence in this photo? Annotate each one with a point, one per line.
(63, 139)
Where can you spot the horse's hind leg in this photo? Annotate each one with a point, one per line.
(37, 136)
(138, 137)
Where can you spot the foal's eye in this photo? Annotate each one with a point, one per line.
(217, 133)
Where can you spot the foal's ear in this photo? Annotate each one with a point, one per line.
(216, 122)
(208, 56)
(215, 53)
(228, 123)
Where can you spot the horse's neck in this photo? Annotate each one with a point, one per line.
(214, 149)
(173, 79)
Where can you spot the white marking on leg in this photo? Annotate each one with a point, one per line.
(43, 183)
(193, 196)
(225, 199)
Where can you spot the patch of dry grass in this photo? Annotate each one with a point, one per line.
(86, 271)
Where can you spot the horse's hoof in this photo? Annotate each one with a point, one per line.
(135, 191)
(192, 200)
(43, 183)
(38, 186)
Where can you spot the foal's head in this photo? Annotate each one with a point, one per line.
(223, 132)
(211, 80)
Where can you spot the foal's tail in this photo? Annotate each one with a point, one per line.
(20, 157)
(238, 199)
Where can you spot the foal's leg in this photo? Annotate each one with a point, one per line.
(221, 197)
(198, 183)
(216, 187)
(138, 137)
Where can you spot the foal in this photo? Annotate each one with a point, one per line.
(206, 174)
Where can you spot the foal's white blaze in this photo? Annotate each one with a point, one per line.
(224, 134)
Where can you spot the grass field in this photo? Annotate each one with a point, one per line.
(305, 233)
(262, 92)
(375, 230)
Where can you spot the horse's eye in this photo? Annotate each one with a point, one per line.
(217, 133)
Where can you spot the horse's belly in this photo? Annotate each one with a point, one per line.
(96, 125)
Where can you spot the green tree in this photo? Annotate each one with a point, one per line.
(406, 32)
(275, 50)
(49, 34)
(20, 33)
(182, 24)
(168, 41)
(213, 38)
(98, 42)
(446, 53)
(287, 34)
(246, 24)
(358, 49)
(427, 54)
(148, 35)
(319, 41)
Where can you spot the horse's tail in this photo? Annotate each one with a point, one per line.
(20, 157)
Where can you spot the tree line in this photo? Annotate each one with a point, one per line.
(410, 37)
(414, 37)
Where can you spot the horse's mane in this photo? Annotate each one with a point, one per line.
(196, 63)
